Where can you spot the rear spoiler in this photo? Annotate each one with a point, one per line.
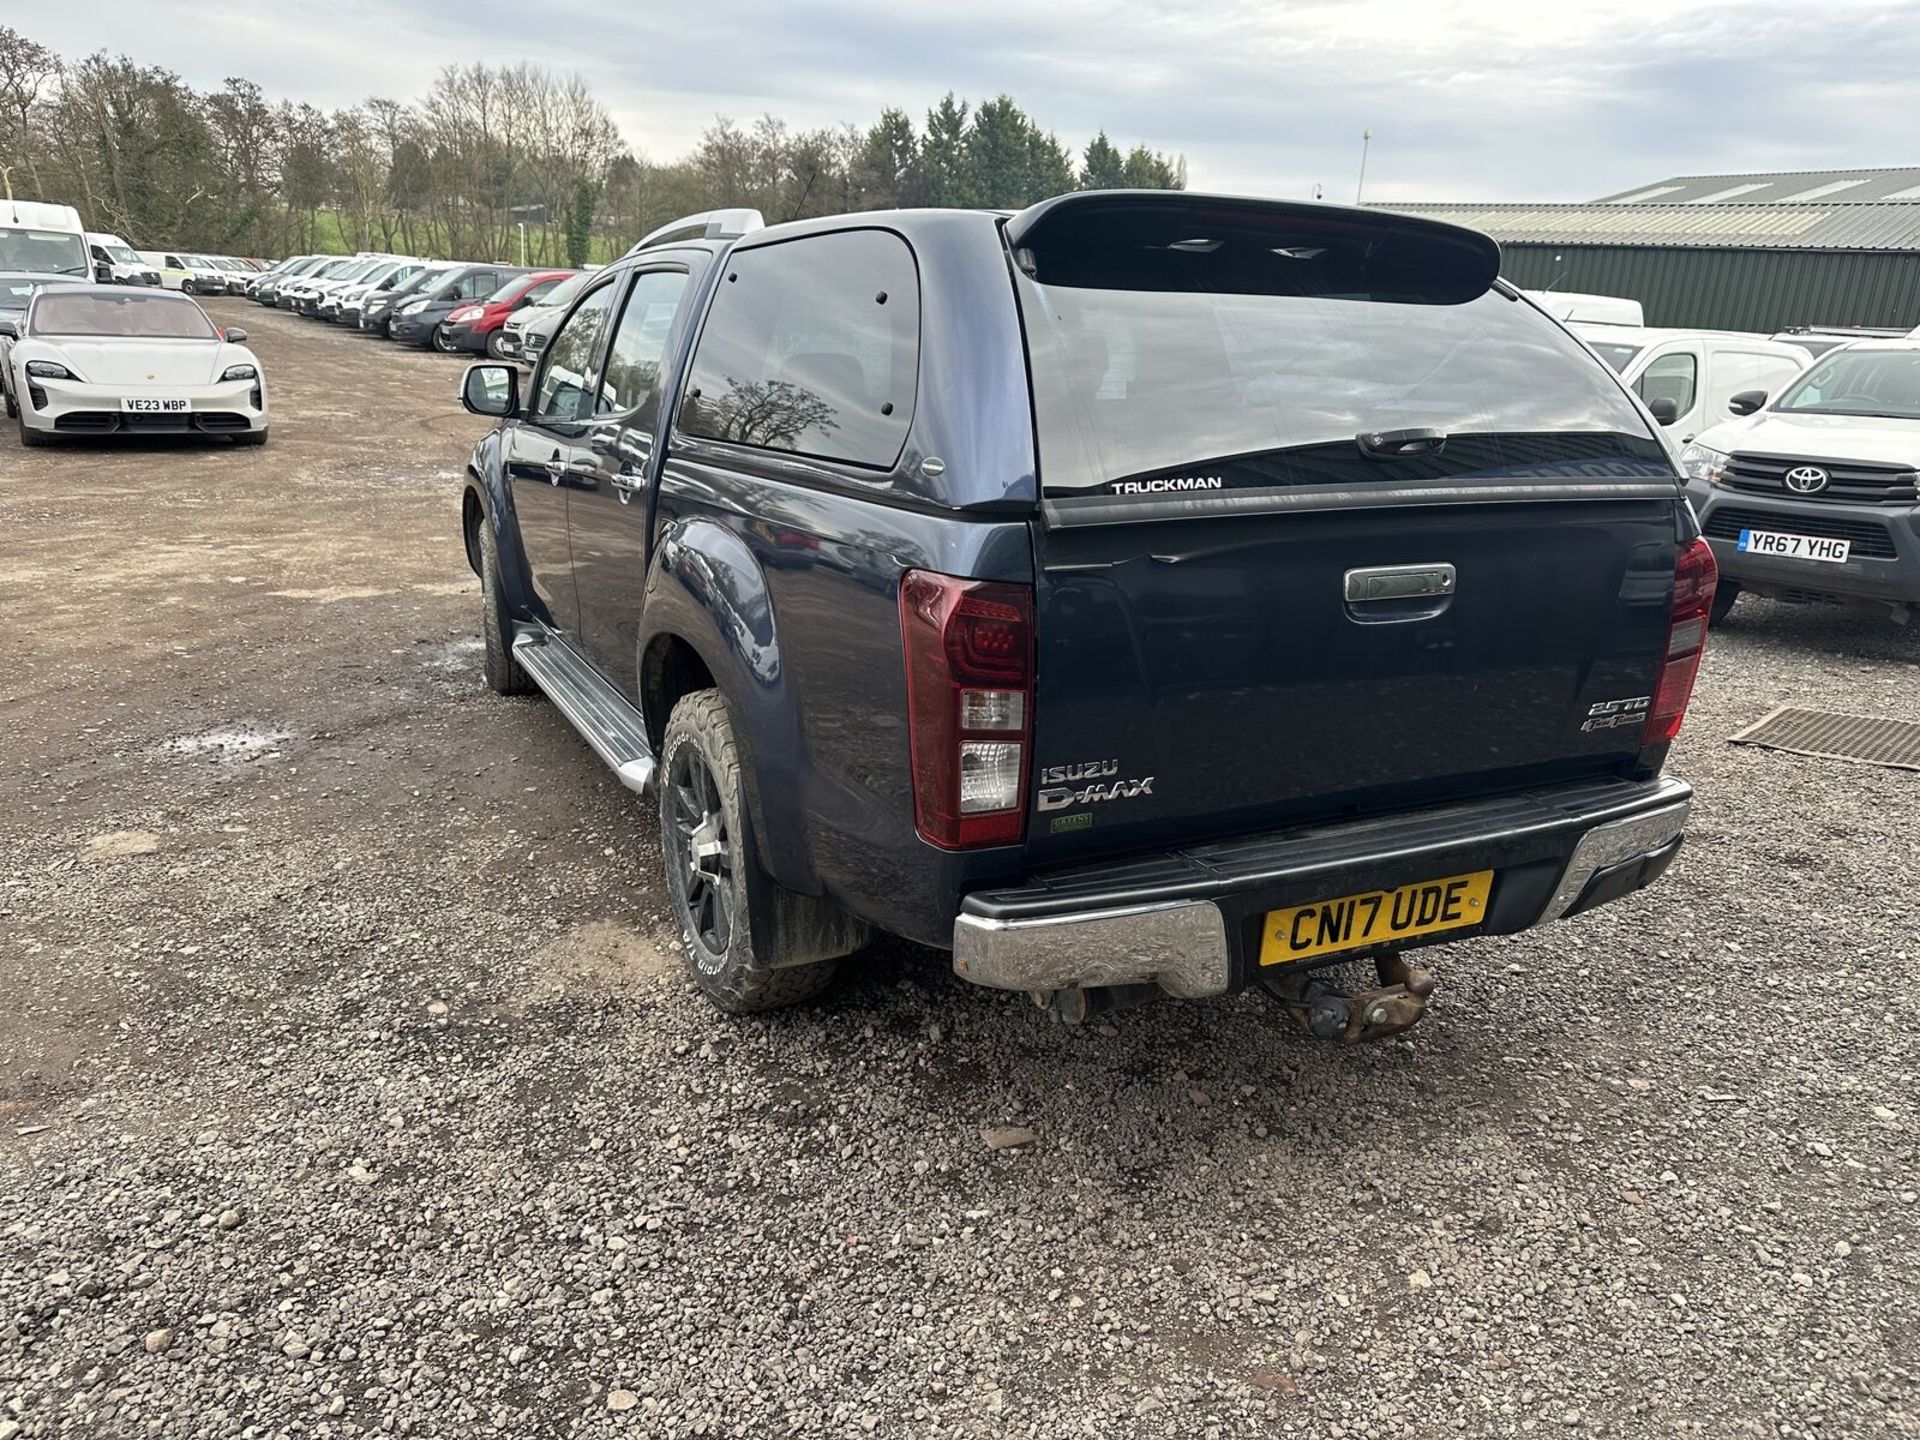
(1168, 239)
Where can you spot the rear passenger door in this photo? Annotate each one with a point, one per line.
(610, 513)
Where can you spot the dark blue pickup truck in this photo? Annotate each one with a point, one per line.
(1143, 593)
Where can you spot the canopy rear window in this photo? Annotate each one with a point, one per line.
(1207, 346)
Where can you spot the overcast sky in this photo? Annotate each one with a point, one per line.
(1482, 100)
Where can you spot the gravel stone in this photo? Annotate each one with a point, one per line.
(1008, 1137)
(814, 1228)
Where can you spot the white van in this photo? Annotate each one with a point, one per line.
(1567, 306)
(47, 239)
(184, 270)
(1697, 372)
(116, 263)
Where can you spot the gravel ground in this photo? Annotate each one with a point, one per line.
(348, 1084)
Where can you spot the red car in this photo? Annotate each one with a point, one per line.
(476, 326)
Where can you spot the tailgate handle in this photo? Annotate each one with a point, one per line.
(1399, 582)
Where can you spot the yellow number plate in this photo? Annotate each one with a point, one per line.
(1380, 917)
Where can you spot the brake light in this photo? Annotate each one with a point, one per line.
(969, 656)
(1695, 577)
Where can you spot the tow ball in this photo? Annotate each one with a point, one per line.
(1345, 1017)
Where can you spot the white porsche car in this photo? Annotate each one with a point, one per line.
(109, 360)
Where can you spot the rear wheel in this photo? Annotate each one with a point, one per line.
(503, 672)
(716, 886)
(1724, 595)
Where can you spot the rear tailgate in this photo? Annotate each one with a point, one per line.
(1307, 554)
(1219, 660)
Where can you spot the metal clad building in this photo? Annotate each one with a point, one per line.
(1732, 252)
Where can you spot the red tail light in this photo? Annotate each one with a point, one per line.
(969, 651)
(1694, 579)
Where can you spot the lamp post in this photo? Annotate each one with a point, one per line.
(523, 244)
(1366, 141)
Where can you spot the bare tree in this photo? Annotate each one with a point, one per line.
(26, 67)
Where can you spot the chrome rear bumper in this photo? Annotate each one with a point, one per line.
(1070, 936)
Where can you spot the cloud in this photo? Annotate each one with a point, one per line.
(1491, 100)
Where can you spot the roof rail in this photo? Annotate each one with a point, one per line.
(707, 225)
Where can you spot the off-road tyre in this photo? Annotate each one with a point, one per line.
(729, 969)
(503, 672)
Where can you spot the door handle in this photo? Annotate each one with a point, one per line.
(1399, 582)
(626, 482)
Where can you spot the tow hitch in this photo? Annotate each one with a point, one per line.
(1349, 1017)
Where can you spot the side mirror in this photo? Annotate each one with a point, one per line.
(491, 390)
(103, 274)
(9, 328)
(1747, 401)
(235, 335)
(1663, 410)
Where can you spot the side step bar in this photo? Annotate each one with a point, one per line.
(601, 714)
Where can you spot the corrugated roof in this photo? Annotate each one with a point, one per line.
(1779, 187)
(1892, 225)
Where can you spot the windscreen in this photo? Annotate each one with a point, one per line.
(443, 286)
(137, 314)
(1617, 355)
(121, 254)
(1880, 383)
(563, 293)
(52, 252)
(417, 282)
(16, 290)
(1188, 387)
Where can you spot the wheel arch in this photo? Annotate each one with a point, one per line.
(709, 621)
(484, 501)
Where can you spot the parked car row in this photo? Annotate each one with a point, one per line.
(187, 271)
(446, 305)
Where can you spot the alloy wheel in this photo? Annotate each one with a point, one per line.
(703, 854)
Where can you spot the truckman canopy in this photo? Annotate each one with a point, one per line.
(1134, 240)
(1181, 346)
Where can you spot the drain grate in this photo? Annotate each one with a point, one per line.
(1868, 739)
